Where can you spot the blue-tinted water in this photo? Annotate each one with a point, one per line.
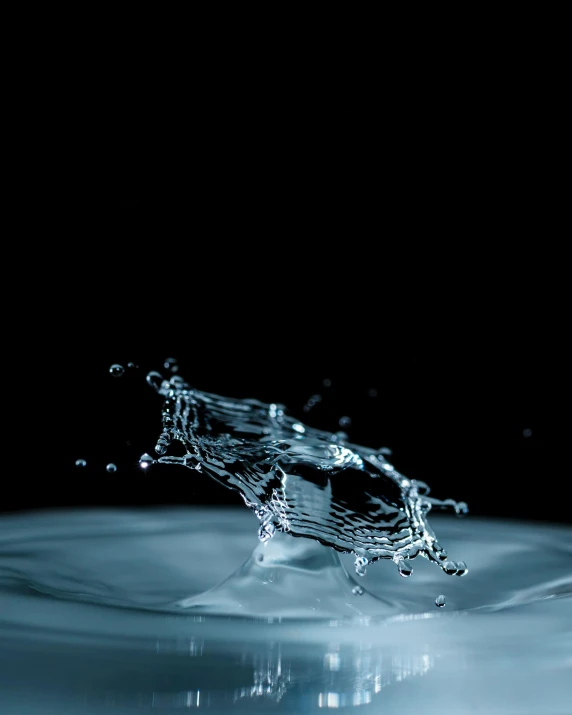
(502, 644)
(272, 608)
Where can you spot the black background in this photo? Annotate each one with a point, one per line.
(464, 357)
(324, 246)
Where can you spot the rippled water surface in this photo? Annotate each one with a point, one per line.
(105, 611)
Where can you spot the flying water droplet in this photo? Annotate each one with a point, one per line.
(345, 421)
(450, 567)
(312, 402)
(116, 370)
(404, 567)
(361, 564)
(372, 392)
(171, 364)
(462, 568)
(146, 460)
(132, 365)
(80, 463)
(326, 382)
(440, 601)
(111, 467)
(527, 432)
(357, 591)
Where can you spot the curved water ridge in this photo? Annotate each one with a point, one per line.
(302, 480)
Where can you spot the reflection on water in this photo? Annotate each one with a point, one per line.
(114, 642)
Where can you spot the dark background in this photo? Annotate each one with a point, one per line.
(403, 249)
(450, 354)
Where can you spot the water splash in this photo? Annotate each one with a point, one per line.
(299, 479)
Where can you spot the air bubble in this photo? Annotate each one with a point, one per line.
(111, 467)
(357, 591)
(116, 370)
(80, 463)
(440, 601)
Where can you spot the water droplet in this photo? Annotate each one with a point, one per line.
(450, 567)
(171, 364)
(361, 564)
(163, 442)
(146, 460)
(372, 392)
(440, 601)
(345, 421)
(357, 591)
(385, 450)
(132, 365)
(116, 370)
(461, 508)
(154, 379)
(326, 382)
(266, 531)
(462, 568)
(111, 467)
(527, 432)
(80, 463)
(312, 402)
(404, 567)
